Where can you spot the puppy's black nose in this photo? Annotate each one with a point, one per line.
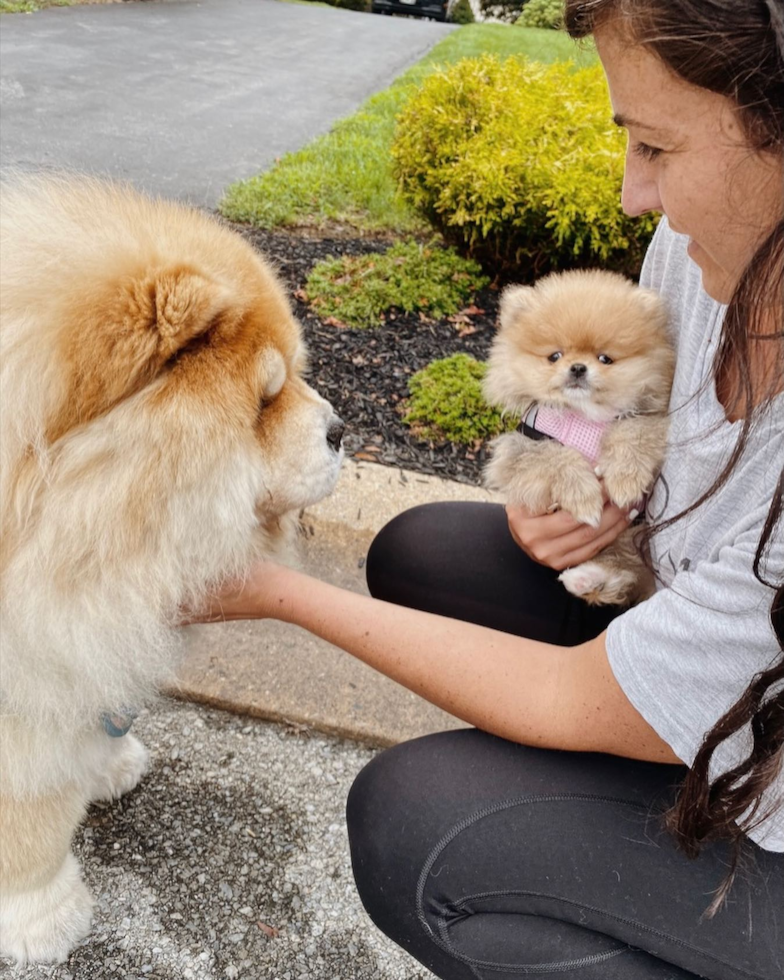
(335, 431)
(578, 370)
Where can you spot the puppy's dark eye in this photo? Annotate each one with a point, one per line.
(604, 359)
(555, 356)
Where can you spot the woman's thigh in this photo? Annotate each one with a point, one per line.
(459, 560)
(487, 859)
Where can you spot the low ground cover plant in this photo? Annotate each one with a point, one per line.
(518, 165)
(446, 403)
(358, 291)
(345, 177)
(548, 14)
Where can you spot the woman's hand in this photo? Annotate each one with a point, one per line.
(258, 596)
(559, 541)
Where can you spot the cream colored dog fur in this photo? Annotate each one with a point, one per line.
(156, 434)
(617, 334)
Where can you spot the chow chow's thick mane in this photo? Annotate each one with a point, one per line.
(127, 489)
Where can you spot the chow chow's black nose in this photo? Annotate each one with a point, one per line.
(335, 431)
(578, 370)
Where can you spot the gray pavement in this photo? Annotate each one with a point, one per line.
(228, 862)
(184, 97)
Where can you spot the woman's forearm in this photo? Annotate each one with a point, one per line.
(523, 690)
(470, 671)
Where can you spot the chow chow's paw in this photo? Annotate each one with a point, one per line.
(44, 925)
(123, 765)
(597, 584)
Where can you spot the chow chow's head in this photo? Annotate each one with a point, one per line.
(589, 341)
(156, 427)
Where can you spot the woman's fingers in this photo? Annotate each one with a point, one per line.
(585, 552)
(555, 539)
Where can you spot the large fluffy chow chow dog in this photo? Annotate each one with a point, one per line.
(156, 433)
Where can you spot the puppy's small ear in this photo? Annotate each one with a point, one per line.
(514, 300)
(177, 305)
(652, 304)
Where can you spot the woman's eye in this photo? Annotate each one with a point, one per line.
(604, 359)
(646, 152)
(555, 356)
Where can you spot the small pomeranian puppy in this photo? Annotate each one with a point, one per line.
(156, 437)
(585, 358)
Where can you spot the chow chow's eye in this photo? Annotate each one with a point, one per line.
(604, 359)
(555, 356)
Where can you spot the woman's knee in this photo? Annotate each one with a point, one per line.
(395, 550)
(384, 870)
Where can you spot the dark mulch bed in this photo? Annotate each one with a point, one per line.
(364, 373)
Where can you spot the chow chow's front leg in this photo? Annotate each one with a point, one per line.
(45, 907)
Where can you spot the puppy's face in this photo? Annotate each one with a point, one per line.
(588, 341)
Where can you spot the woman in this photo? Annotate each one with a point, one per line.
(485, 853)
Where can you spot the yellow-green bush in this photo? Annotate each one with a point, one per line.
(542, 13)
(519, 165)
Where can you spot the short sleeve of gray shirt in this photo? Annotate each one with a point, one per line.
(686, 655)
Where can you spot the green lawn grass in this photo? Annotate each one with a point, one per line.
(30, 6)
(345, 176)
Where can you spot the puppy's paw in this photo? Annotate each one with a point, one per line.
(506, 453)
(123, 765)
(597, 584)
(44, 925)
(579, 492)
(625, 484)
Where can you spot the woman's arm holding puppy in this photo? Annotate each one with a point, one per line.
(522, 690)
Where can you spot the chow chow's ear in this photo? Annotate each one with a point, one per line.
(176, 305)
(514, 300)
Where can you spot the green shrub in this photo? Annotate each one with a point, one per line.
(542, 13)
(462, 13)
(358, 290)
(447, 403)
(518, 165)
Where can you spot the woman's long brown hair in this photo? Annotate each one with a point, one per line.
(736, 49)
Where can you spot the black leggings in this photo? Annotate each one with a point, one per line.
(487, 859)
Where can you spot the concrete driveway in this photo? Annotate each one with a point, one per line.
(183, 97)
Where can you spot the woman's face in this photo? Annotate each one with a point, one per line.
(688, 157)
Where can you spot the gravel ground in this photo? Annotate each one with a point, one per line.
(228, 862)
(365, 373)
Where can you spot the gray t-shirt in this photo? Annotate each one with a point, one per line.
(687, 654)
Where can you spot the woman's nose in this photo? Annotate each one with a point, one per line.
(640, 189)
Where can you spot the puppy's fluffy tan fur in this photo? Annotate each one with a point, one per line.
(156, 433)
(619, 333)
